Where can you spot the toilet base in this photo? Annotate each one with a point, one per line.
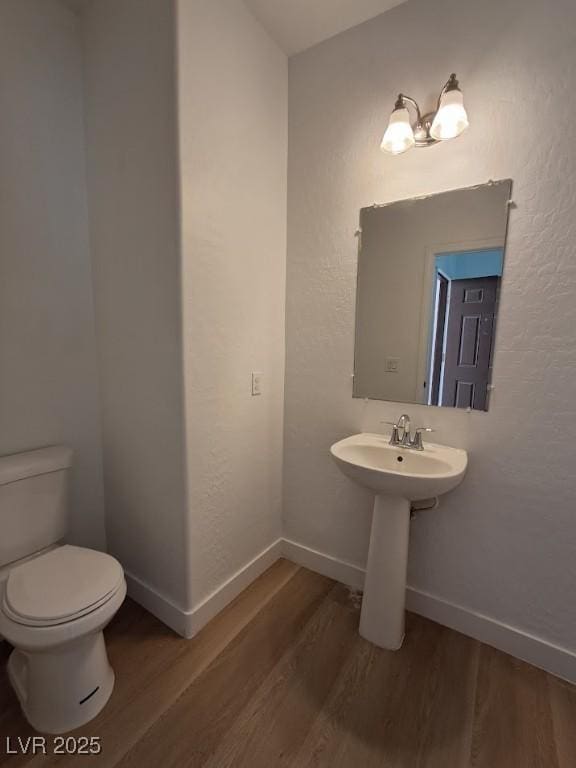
(64, 687)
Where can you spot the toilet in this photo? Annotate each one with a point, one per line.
(55, 599)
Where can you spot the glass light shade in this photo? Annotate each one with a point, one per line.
(451, 118)
(399, 135)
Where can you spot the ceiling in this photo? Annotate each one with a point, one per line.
(300, 24)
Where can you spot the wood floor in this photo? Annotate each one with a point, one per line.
(282, 678)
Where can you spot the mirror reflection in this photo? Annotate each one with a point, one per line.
(429, 274)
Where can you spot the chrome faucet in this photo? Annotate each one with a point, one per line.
(403, 424)
(402, 436)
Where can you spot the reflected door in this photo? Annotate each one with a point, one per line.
(468, 342)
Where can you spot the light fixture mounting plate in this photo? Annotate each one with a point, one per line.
(422, 131)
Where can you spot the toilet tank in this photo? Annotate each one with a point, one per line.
(33, 501)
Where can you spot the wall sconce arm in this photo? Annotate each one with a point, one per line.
(451, 84)
(401, 102)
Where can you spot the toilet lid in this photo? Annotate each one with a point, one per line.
(61, 584)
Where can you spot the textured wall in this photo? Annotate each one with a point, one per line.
(48, 371)
(504, 542)
(233, 144)
(133, 191)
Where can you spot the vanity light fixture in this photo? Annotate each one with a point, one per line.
(447, 122)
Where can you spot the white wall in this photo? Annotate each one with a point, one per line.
(133, 192)
(48, 372)
(503, 544)
(233, 145)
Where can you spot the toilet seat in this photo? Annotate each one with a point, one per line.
(60, 586)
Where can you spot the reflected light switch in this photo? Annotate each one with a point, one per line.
(256, 384)
(391, 364)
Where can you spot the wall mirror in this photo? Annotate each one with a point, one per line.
(429, 274)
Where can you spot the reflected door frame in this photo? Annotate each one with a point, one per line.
(440, 309)
(423, 389)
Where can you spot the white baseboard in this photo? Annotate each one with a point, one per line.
(188, 623)
(535, 650)
(201, 614)
(158, 605)
(340, 570)
(559, 661)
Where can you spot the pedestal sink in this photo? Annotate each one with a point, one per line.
(397, 476)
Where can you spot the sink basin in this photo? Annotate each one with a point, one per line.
(397, 476)
(372, 462)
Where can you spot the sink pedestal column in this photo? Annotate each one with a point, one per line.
(383, 604)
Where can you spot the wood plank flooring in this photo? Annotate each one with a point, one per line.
(281, 679)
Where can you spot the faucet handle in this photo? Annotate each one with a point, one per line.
(394, 437)
(416, 442)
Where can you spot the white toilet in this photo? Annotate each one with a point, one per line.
(55, 599)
